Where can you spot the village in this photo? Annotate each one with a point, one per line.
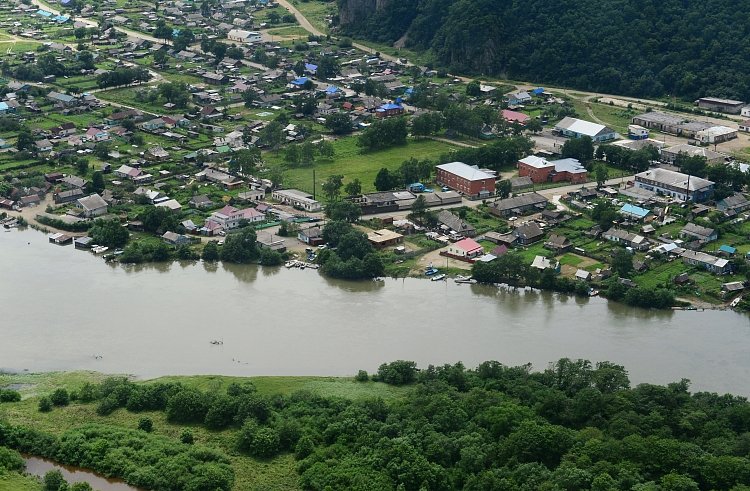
(185, 127)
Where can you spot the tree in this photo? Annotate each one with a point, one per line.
(97, 182)
(384, 133)
(473, 88)
(602, 174)
(534, 125)
(25, 140)
(353, 188)
(400, 372)
(240, 247)
(418, 209)
(622, 262)
(248, 97)
(161, 57)
(332, 187)
(385, 181)
(45, 405)
(503, 188)
(244, 162)
(328, 67)
(183, 39)
(581, 149)
(272, 135)
(109, 233)
(81, 486)
(344, 211)
(326, 150)
(60, 397)
(145, 424)
(162, 30)
(307, 153)
(339, 123)
(54, 481)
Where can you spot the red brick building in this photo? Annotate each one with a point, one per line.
(465, 179)
(540, 170)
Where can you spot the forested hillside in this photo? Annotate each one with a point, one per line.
(646, 48)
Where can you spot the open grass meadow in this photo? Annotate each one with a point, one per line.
(251, 474)
(352, 164)
(316, 12)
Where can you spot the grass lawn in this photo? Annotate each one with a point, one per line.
(529, 253)
(288, 31)
(316, 12)
(349, 162)
(570, 259)
(17, 482)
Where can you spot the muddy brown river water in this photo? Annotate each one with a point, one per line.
(66, 309)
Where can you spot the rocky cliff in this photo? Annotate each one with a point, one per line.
(357, 11)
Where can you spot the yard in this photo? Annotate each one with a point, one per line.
(352, 164)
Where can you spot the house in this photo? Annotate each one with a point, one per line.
(170, 204)
(54, 177)
(455, 223)
(518, 98)
(7, 204)
(708, 262)
(703, 235)
(96, 135)
(577, 128)
(514, 117)
(519, 205)
(311, 236)
(628, 239)
(73, 181)
(92, 206)
(230, 217)
(384, 238)
(520, 183)
(558, 243)
(733, 204)
(716, 134)
(583, 275)
(157, 154)
(632, 212)
(200, 201)
(127, 172)
(542, 263)
(29, 200)
(214, 78)
(465, 249)
(67, 196)
(64, 100)
(297, 199)
(675, 184)
(728, 106)
(745, 126)
(727, 250)
(669, 155)
(252, 195)
(43, 146)
(540, 170)
(175, 239)
(389, 109)
(245, 37)
(466, 179)
(528, 233)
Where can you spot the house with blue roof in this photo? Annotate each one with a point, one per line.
(4, 108)
(311, 69)
(298, 83)
(389, 109)
(727, 250)
(44, 13)
(633, 212)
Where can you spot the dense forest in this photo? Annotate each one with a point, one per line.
(646, 48)
(574, 426)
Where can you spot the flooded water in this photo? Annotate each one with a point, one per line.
(64, 309)
(39, 467)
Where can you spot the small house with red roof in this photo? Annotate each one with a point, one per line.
(515, 117)
(466, 249)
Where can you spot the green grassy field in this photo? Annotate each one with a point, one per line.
(288, 31)
(316, 12)
(17, 482)
(251, 474)
(352, 164)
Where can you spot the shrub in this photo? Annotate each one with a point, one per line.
(9, 396)
(145, 424)
(45, 405)
(60, 397)
(362, 376)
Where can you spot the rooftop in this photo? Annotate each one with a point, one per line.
(674, 179)
(465, 171)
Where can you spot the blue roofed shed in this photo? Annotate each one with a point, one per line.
(309, 67)
(634, 212)
(300, 81)
(728, 250)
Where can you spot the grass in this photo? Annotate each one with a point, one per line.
(290, 31)
(275, 474)
(16, 482)
(352, 164)
(316, 12)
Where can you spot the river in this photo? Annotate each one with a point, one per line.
(65, 309)
(37, 466)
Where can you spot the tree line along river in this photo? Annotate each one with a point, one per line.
(66, 309)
